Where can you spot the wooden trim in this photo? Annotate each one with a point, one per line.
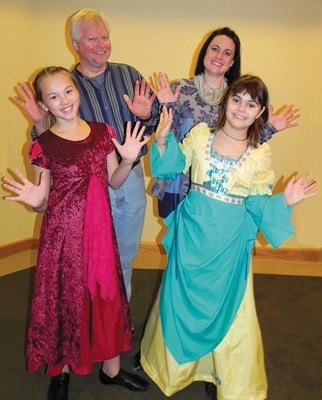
(149, 249)
(18, 247)
(290, 254)
(303, 254)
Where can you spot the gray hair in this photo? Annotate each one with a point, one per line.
(85, 16)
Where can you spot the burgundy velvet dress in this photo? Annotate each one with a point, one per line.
(79, 312)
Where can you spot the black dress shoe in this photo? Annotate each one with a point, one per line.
(126, 379)
(136, 362)
(211, 391)
(58, 388)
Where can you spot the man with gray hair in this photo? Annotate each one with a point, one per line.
(106, 89)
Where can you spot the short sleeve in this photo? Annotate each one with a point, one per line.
(37, 156)
(187, 147)
(111, 134)
(255, 176)
(196, 148)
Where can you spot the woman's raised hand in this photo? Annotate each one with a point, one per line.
(163, 89)
(285, 118)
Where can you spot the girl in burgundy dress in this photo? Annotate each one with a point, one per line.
(79, 313)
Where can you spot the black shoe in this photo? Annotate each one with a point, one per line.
(58, 388)
(126, 379)
(136, 362)
(211, 391)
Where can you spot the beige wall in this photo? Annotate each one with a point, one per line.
(281, 42)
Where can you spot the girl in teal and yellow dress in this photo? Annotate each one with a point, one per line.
(203, 326)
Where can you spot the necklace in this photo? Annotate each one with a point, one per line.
(209, 96)
(231, 137)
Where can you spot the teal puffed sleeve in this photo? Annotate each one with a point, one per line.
(272, 217)
(172, 161)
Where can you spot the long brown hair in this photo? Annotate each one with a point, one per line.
(257, 90)
(234, 71)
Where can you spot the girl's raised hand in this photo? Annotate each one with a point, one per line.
(297, 190)
(130, 150)
(26, 191)
(165, 123)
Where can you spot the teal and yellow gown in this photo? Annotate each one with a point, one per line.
(203, 326)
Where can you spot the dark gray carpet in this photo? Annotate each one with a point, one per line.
(290, 314)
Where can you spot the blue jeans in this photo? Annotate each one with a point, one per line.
(128, 209)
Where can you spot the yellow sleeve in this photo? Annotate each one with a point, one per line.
(255, 176)
(195, 146)
(187, 147)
